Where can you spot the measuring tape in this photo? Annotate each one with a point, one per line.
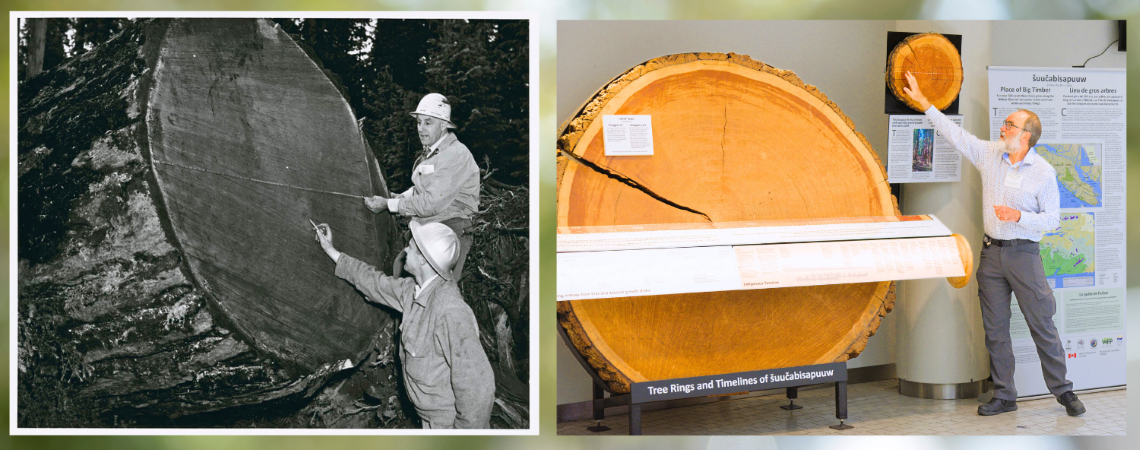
(255, 180)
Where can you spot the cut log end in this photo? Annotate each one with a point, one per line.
(719, 121)
(967, 257)
(935, 64)
(602, 367)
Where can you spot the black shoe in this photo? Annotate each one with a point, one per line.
(1073, 406)
(997, 406)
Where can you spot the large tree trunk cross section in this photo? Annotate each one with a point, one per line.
(735, 139)
(935, 64)
(249, 140)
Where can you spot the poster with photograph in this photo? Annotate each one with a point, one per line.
(916, 153)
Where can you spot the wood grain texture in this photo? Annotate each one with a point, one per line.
(735, 140)
(967, 256)
(935, 64)
(244, 128)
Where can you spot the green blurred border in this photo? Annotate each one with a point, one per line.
(589, 10)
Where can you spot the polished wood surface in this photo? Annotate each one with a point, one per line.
(735, 140)
(935, 64)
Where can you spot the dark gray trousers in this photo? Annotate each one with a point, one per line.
(1018, 269)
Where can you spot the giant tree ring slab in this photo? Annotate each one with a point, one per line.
(248, 141)
(735, 139)
(935, 64)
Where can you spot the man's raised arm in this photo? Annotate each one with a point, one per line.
(970, 146)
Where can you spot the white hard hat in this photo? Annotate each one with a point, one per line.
(438, 244)
(435, 105)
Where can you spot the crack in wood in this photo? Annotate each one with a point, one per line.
(723, 132)
(913, 53)
(615, 175)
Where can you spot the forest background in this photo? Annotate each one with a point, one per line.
(383, 67)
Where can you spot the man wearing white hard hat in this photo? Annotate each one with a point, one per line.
(445, 179)
(446, 372)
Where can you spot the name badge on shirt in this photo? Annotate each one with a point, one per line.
(426, 169)
(1013, 180)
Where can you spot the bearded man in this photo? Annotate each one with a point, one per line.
(1020, 202)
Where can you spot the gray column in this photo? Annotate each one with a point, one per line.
(940, 346)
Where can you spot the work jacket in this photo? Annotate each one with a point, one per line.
(446, 372)
(446, 184)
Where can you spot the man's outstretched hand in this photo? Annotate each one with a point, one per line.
(915, 93)
(376, 203)
(324, 237)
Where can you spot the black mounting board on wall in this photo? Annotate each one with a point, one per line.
(1121, 26)
(892, 105)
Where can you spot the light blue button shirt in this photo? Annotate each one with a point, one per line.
(1029, 186)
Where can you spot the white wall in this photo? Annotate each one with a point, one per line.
(1054, 43)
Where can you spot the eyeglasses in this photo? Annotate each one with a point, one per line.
(1009, 124)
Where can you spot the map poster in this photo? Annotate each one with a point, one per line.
(1083, 137)
(1080, 172)
(916, 153)
(1069, 252)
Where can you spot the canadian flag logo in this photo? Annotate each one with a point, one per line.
(1072, 355)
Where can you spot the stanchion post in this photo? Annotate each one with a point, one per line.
(841, 406)
(634, 419)
(599, 406)
(599, 402)
(793, 394)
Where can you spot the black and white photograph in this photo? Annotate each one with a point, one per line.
(276, 222)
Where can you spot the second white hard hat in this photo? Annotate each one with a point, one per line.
(439, 245)
(435, 105)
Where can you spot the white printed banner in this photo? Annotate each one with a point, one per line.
(631, 273)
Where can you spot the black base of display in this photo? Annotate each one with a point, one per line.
(792, 384)
(793, 393)
(598, 427)
(791, 406)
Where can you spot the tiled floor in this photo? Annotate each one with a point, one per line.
(873, 409)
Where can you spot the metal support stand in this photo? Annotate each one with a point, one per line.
(841, 406)
(793, 394)
(634, 419)
(599, 405)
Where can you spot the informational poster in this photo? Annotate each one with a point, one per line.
(628, 135)
(916, 153)
(1082, 114)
